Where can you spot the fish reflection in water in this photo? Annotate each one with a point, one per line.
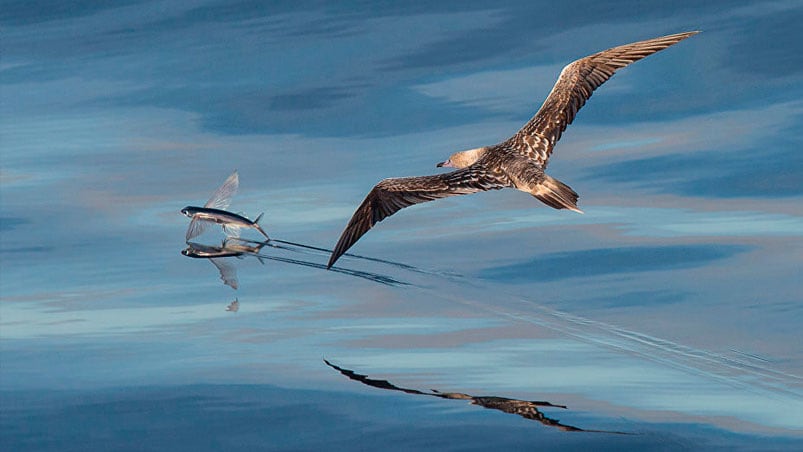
(228, 248)
(218, 256)
(239, 248)
(234, 306)
(527, 409)
(214, 212)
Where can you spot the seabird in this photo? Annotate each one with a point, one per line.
(520, 161)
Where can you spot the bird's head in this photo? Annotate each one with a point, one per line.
(464, 158)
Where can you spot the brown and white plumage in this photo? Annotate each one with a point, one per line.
(518, 162)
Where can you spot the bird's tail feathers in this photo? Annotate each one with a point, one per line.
(556, 194)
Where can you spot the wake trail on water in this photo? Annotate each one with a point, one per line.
(738, 369)
(300, 247)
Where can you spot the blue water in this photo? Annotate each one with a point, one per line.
(670, 311)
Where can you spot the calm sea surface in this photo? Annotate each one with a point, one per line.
(667, 317)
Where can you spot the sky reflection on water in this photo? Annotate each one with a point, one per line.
(673, 303)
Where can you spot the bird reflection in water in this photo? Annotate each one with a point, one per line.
(527, 409)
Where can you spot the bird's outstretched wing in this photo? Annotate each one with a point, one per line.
(574, 87)
(221, 198)
(391, 195)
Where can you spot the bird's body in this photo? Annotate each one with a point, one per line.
(520, 161)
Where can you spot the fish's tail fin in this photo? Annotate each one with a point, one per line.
(259, 228)
(556, 194)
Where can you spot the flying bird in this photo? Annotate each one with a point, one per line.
(519, 162)
(214, 211)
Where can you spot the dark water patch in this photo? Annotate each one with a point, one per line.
(609, 261)
(357, 110)
(369, 95)
(712, 174)
(644, 298)
(756, 51)
(16, 13)
(26, 249)
(516, 29)
(11, 223)
(235, 102)
(310, 99)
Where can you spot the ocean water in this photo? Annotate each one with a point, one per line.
(667, 317)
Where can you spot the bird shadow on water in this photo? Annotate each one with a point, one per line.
(527, 409)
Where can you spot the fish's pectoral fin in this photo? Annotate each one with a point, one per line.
(196, 228)
(555, 194)
(228, 272)
(231, 230)
(221, 198)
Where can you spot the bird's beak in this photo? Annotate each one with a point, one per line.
(446, 164)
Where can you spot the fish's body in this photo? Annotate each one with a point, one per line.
(518, 162)
(231, 222)
(214, 212)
